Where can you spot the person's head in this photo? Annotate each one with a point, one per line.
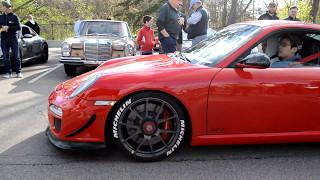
(29, 17)
(147, 20)
(6, 7)
(289, 45)
(293, 11)
(195, 4)
(272, 8)
(175, 3)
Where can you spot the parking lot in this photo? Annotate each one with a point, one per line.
(25, 152)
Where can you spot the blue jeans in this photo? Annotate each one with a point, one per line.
(147, 53)
(169, 44)
(6, 44)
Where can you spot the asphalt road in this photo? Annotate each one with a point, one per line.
(25, 152)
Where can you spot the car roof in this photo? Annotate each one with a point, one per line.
(282, 24)
(102, 20)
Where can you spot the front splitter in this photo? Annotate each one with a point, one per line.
(71, 145)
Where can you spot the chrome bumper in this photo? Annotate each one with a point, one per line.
(78, 61)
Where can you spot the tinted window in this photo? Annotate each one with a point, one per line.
(25, 30)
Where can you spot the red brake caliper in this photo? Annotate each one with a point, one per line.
(166, 126)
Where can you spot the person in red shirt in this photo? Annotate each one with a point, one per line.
(145, 36)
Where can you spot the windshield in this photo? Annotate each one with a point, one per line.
(213, 50)
(104, 28)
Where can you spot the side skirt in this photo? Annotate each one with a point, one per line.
(263, 138)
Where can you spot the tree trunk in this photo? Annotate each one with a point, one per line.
(224, 13)
(314, 10)
(233, 12)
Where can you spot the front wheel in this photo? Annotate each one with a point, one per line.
(148, 126)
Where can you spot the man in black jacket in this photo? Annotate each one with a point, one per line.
(293, 11)
(271, 14)
(169, 25)
(32, 24)
(10, 27)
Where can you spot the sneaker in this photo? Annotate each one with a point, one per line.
(7, 75)
(19, 75)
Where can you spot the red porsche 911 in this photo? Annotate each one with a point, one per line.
(251, 83)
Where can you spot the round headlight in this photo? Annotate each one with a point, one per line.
(66, 49)
(129, 50)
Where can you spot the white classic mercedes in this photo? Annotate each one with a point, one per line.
(96, 42)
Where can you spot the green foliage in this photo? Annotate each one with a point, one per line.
(133, 11)
(62, 12)
(303, 14)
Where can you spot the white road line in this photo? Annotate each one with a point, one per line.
(44, 74)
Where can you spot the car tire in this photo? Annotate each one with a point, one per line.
(44, 53)
(148, 126)
(70, 70)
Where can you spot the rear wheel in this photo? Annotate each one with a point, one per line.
(70, 69)
(148, 126)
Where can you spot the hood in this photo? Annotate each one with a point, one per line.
(83, 39)
(137, 65)
(144, 64)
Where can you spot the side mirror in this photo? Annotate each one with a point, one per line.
(27, 36)
(257, 60)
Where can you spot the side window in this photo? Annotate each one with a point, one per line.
(25, 30)
(33, 33)
(289, 50)
(310, 51)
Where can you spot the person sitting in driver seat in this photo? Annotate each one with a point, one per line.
(288, 52)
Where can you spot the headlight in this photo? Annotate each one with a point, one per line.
(85, 85)
(66, 49)
(129, 50)
(119, 46)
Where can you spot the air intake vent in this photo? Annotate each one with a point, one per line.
(57, 124)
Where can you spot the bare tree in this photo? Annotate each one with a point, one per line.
(314, 10)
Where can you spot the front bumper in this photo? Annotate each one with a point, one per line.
(77, 61)
(72, 145)
(82, 121)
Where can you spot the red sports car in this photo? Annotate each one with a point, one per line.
(223, 91)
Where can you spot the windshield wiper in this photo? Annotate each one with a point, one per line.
(96, 34)
(183, 57)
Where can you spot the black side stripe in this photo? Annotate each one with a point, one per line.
(91, 120)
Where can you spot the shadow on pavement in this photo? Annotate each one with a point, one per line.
(38, 150)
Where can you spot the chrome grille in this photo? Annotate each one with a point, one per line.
(98, 50)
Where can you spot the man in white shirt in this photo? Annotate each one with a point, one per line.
(198, 22)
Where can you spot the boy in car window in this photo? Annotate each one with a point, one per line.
(288, 52)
